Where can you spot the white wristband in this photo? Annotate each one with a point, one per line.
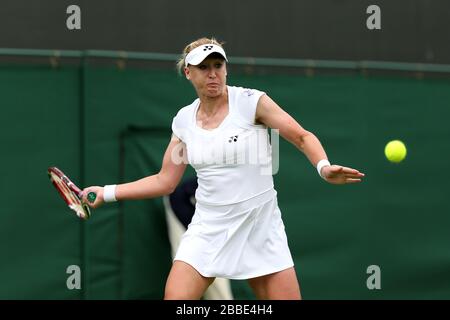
(109, 193)
(322, 163)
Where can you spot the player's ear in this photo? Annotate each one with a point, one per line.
(187, 73)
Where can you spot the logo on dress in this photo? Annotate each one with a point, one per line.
(233, 139)
(249, 92)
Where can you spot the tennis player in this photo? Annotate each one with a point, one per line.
(237, 230)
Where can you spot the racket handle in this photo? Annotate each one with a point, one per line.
(91, 197)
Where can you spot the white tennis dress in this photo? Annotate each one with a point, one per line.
(237, 231)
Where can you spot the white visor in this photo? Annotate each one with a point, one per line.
(200, 53)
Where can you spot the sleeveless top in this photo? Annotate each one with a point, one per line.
(233, 162)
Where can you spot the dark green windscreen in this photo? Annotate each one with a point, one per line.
(396, 219)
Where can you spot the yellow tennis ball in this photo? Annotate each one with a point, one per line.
(395, 151)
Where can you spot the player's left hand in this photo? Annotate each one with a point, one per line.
(336, 174)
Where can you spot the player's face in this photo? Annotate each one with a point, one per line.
(208, 77)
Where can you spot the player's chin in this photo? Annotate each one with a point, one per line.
(213, 91)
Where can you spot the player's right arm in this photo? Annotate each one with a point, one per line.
(160, 184)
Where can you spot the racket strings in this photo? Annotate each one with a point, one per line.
(70, 193)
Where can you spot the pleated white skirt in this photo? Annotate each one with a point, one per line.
(239, 241)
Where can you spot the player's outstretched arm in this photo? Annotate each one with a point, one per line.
(273, 116)
(162, 183)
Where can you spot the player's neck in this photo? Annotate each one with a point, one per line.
(211, 105)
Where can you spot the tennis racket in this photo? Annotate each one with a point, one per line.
(71, 194)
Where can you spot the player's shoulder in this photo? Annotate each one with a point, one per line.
(246, 96)
(245, 101)
(244, 92)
